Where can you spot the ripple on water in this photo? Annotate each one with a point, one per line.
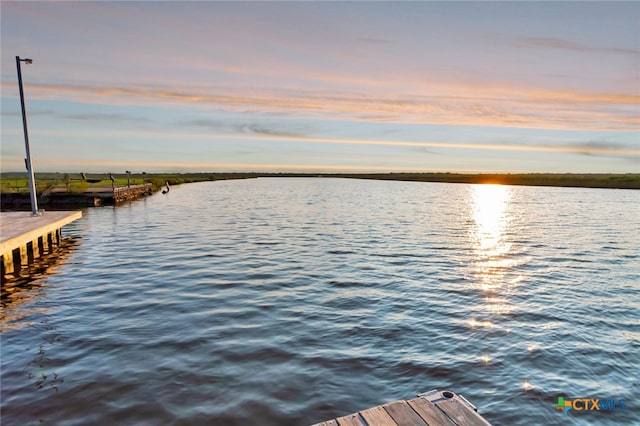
(290, 301)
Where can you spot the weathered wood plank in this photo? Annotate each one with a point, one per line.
(378, 416)
(351, 420)
(24, 255)
(461, 413)
(428, 411)
(35, 246)
(447, 409)
(7, 263)
(403, 414)
(327, 423)
(45, 244)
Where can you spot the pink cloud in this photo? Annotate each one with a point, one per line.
(475, 105)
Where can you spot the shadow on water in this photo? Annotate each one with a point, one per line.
(28, 283)
(21, 299)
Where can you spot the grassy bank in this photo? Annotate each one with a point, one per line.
(620, 181)
(17, 182)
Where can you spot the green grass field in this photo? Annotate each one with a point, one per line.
(18, 182)
(43, 184)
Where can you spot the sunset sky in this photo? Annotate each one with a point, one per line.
(162, 86)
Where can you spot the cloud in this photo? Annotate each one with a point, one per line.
(66, 164)
(242, 129)
(598, 144)
(102, 117)
(466, 106)
(606, 149)
(374, 40)
(262, 130)
(563, 44)
(579, 149)
(18, 113)
(216, 125)
(588, 147)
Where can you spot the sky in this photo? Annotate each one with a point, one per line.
(203, 86)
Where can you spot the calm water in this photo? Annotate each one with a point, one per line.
(290, 301)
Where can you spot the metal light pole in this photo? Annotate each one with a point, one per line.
(32, 181)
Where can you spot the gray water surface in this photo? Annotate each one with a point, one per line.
(279, 301)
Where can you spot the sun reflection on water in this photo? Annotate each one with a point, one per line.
(490, 214)
(492, 249)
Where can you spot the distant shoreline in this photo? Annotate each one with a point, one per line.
(584, 180)
(614, 181)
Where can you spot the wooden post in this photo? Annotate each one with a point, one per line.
(7, 263)
(35, 248)
(30, 252)
(17, 260)
(41, 246)
(24, 256)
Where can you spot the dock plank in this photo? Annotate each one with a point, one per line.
(378, 416)
(327, 423)
(351, 420)
(403, 414)
(20, 228)
(461, 413)
(430, 413)
(433, 408)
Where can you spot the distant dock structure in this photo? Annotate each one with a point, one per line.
(91, 197)
(25, 237)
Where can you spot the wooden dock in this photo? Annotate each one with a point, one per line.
(432, 408)
(95, 196)
(24, 237)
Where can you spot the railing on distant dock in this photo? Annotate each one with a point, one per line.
(90, 197)
(124, 189)
(126, 193)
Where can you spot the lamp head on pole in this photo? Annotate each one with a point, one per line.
(26, 60)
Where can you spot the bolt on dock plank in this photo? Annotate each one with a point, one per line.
(432, 408)
(25, 237)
